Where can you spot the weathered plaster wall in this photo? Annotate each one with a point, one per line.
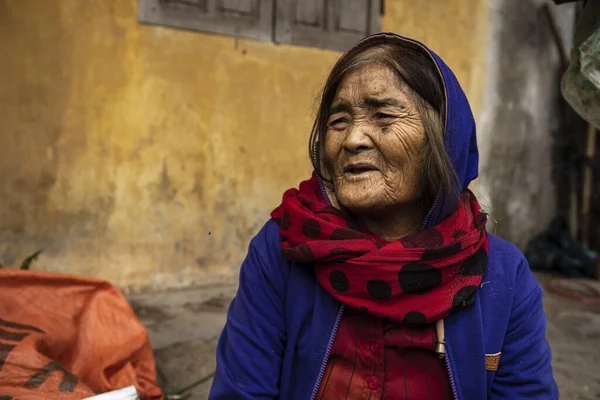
(150, 156)
(518, 117)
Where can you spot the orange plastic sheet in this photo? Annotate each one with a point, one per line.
(66, 337)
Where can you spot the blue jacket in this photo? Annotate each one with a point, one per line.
(282, 323)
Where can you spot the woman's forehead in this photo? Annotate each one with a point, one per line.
(372, 81)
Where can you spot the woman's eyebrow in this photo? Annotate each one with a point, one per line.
(341, 106)
(375, 102)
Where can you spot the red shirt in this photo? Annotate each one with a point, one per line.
(376, 360)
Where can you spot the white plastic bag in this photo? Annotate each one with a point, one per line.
(129, 393)
(581, 82)
(590, 58)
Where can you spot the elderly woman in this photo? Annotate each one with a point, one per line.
(376, 278)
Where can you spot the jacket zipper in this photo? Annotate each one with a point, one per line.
(442, 350)
(327, 353)
(323, 191)
(452, 383)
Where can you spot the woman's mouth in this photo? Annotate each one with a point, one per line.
(359, 168)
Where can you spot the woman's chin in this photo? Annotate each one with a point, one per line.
(364, 203)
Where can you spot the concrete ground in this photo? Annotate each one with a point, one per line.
(184, 326)
(574, 335)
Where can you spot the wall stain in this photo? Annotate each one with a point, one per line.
(164, 191)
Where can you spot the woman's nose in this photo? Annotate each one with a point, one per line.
(357, 139)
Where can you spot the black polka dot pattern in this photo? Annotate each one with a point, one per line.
(430, 238)
(414, 317)
(338, 251)
(346, 234)
(442, 252)
(332, 210)
(364, 309)
(465, 296)
(285, 221)
(379, 289)
(301, 253)
(474, 265)
(311, 228)
(458, 234)
(339, 281)
(305, 252)
(419, 278)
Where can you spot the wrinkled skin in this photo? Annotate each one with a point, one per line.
(372, 152)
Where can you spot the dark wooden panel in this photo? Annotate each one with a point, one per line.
(252, 19)
(245, 8)
(201, 5)
(353, 16)
(327, 24)
(310, 13)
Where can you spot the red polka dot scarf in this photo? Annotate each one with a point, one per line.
(417, 279)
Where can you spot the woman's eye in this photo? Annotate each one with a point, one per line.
(383, 116)
(337, 123)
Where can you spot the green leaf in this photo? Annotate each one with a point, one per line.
(27, 262)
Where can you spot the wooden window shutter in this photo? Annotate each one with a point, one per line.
(251, 19)
(327, 24)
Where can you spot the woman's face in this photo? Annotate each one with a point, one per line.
(373, 143)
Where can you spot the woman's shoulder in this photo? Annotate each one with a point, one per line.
(265, 251)
(267, 239)
(504, 252)
(508, 270)
(268, 242)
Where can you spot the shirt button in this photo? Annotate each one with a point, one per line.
(373, 383)
(374, 347)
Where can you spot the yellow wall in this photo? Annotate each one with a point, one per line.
(150, 156)
(457, 30)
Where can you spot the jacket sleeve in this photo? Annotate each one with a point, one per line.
(525, 370)
(251, 347)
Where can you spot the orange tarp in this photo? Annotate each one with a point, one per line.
(66, 337)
